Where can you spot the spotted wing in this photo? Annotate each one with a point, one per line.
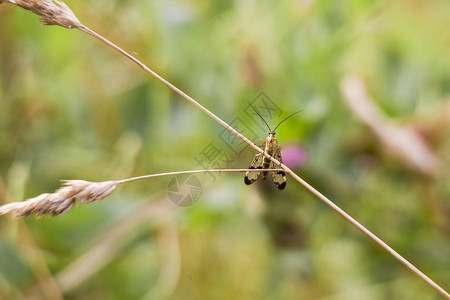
(279, 177)
(257, 163)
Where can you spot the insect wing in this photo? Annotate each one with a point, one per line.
(279, 177)
(257, 163)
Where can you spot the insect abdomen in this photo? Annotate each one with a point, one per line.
(266, 165)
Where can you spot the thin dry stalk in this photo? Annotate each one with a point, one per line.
(284, 167)
(228, 127)
(63, 199)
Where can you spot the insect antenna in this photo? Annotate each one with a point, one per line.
(261, 116)
(286, 119)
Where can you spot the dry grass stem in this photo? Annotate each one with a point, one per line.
(192, 172)
(319, 195)
(53, 12)
(62, 200)
(47, 9)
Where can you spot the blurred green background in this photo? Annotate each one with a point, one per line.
(72, 108)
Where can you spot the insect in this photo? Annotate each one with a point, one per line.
(271, 147)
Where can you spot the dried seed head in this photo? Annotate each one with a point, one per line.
(62, 200)
(87, 191)
(53, 12)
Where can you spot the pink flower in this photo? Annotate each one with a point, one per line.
(294, 156)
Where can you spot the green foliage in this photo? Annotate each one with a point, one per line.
(71, 108)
